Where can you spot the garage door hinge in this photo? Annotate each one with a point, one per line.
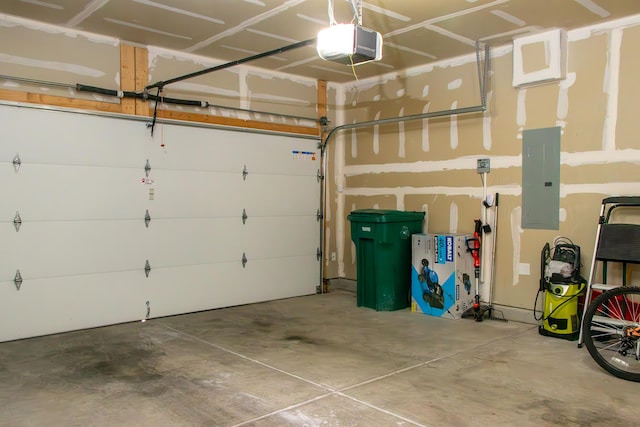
(18, 280)
(244, 216)
(16, 162)
(147, 268)
(319, 254)
(319, 176)
(147, 168)
(319, 215)
(244, 260)
(17, 221)
(147, 218)
(245, 172)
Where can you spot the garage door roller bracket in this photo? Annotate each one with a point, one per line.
(16, 162)
(17, 221)
(17, 280)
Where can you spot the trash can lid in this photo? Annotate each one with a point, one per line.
(384, 215)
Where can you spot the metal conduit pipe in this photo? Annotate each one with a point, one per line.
(38, 82)
(483, 81)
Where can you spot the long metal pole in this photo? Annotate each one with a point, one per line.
(389, 120)
(39, 82)
(161, 84)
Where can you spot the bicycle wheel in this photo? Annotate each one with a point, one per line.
(612, 332)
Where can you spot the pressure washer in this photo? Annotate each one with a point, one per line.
(561, 284)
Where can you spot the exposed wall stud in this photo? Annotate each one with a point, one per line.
(16, 162)
(17, 221)
(18, 279)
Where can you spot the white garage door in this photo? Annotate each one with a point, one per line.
(79, 186)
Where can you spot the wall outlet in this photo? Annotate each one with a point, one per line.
(333, 256)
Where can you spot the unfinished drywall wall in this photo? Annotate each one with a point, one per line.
(36, 51)
(33, 52)
(430, 165)
(240, 87)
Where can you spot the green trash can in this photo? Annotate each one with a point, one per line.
(383, 249)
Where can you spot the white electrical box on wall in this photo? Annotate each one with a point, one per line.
(540, 58)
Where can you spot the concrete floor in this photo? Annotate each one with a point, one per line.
(309, 361)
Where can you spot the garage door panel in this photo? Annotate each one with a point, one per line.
(282, 195)
(279, 278)
(58, 192)
(205, 241)
(55, 137)
(184, 194)
(47, 249)
(193, 148)
(60, 304)
(296, 157)
(203, 287)
(276, 237)
(195, 194)
(180, 242)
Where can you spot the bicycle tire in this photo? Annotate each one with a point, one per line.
(607, 318)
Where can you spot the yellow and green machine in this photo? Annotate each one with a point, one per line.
(562, 285)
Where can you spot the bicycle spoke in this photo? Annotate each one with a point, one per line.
(610, 322)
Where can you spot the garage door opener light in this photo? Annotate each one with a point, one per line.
(351, 43)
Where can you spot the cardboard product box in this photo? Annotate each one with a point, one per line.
(442, 277)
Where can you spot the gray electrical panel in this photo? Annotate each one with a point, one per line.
(541, 178)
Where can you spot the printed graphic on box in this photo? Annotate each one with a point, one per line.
(441, 275)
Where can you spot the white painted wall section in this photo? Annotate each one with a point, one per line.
(401, 136)
(454, 127)
(516, 232)
(563, 99)
(611, 88)
(453, 218)
(425, 129)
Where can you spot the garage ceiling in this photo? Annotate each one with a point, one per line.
(415, 31)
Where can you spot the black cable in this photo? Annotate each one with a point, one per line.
(155, 111)
(561, 240)
(535, 305)
(233, 63)
(501, 314)
(567, 300)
